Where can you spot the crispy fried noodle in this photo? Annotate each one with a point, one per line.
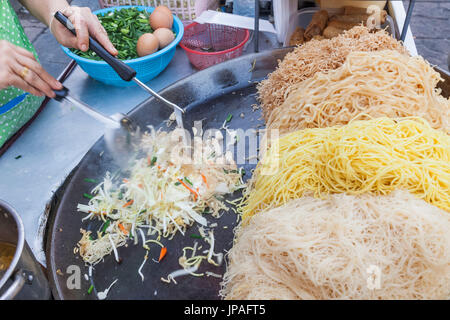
(368, 84)
(319, 56)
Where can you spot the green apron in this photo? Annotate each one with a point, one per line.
(16, 106)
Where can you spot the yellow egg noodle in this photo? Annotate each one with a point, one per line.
(344, 247)
(369, 85)
(378, 156)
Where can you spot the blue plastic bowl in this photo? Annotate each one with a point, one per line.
(147, 67)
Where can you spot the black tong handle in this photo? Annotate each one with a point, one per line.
(124, 71)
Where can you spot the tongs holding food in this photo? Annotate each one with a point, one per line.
(124, 71)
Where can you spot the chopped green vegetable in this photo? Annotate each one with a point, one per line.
(18, 157)
(90, 180)
(153, 161)
(230, 116)
(177, 183)
(90, 289)
(106, 225)
(188, 181)
(124, 27)
(196, 236)
(87, 195)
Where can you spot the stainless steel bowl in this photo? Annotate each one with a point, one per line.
(24, 278)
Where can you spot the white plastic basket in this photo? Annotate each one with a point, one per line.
(186, 10)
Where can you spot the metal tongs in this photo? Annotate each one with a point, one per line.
(124, 71)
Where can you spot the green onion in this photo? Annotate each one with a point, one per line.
(90, 180)
(153, 161)
(87, 195)
(230, 116)
(124, 27)
(177, 183)
(18, 157)
(106, 225)
(196, 236)
(90, 289)
(188, 181)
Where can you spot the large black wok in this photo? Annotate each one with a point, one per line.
(211, 95)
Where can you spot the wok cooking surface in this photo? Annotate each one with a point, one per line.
(210, 96)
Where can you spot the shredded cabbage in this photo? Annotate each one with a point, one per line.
(165, 192)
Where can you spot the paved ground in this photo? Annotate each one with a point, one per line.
(430, 26)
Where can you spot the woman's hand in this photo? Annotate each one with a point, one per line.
(19, 68)
(86, 23)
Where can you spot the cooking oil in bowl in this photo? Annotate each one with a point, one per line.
(7, 251)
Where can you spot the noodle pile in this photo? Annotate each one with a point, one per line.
(371, 84)
(319, 56)
(379, 156)
(344, 247)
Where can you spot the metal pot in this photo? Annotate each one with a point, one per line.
(24, 278)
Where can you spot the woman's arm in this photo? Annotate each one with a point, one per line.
(85, 22)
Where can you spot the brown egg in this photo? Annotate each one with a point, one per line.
(164, 9)
(165, 36)
(147, 44)
(160, 19)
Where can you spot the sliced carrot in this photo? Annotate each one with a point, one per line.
(189, 188)
(125, 180)
(140, 186)
(162, 254)
(121, 227)
(129, 203)
(204, 179)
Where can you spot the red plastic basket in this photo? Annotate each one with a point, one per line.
(209, 44)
